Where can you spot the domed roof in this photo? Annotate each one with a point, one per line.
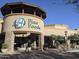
(28, 8)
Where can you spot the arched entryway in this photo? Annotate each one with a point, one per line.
(25, 40)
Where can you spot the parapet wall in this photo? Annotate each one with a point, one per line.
(56, 26)
(58, 30)
(23, 23)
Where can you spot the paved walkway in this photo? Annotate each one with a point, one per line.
(42, 55)
(73, 50)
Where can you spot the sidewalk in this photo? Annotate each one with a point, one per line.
(73, 50)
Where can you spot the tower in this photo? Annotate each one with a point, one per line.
(21, 19)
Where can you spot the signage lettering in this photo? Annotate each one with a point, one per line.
(33, 24)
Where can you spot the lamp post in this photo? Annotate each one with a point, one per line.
(67, 40)
(65, 35)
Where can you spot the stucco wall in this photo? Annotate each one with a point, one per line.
(0, 27)
(9, 23)
(56, 26)
(58, 31)
(1, 21)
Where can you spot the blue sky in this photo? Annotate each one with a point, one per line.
(59, 13)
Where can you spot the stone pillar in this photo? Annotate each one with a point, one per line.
(67, 40)
(9, 40)
(68, 44)
(41, 41)
(53, 42)
(34, 44)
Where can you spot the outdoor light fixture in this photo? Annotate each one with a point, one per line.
(65, 33)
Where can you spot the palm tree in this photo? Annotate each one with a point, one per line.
(74, 39)
(57, 39)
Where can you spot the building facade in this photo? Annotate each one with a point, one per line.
(23, 26)
(22, 22)
(58, 29)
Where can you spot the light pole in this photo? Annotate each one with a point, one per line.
(67, 40)
(65, 35)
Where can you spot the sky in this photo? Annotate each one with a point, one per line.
(58, 12)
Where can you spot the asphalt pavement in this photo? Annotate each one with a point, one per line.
(43, 55)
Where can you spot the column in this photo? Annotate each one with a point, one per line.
(23, 11)
(67, 40)
(53, 42)
(41, 41)
(11, 12)
(34, 13)
(9, 40)
(34, 44)
(68, 44)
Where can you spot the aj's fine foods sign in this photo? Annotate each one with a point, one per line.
(20, 22)
(33, 24)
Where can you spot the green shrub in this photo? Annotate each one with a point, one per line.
(4, 46)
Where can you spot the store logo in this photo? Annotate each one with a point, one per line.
(33, 24)
(19, 22)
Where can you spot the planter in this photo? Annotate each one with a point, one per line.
(29, 49)
(21, 49)
(4, 50)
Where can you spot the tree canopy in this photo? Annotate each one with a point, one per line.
(74, 37)
(57, 37)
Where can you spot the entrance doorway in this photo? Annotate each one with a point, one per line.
(22, 41)
(48, 42)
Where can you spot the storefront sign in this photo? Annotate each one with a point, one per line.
(33, 24)
(19, 23)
